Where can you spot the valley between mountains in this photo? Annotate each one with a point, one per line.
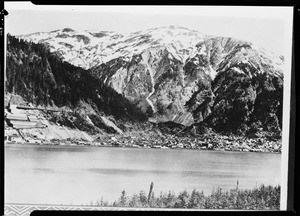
(164, 87)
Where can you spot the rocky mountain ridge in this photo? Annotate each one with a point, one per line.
(95, 48)
(88, 49)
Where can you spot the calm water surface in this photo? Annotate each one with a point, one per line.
(77, 175)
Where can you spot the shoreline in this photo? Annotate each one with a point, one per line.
(127, 147)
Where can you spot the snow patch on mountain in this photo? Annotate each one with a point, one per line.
(88, 49)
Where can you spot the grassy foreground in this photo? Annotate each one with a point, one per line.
(261, 198)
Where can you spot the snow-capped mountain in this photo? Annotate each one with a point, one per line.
(88, 49)
(159, 68)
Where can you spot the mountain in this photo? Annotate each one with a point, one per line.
(180, 75)
(42, 79)
(87, 49)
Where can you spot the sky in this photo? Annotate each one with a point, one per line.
(267, 27)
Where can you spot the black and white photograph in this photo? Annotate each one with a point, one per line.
(146, 107)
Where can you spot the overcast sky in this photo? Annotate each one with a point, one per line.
(269, 27)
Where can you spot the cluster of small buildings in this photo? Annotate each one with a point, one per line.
(209, 142)
(237, 143)
(28, 125)
(165, 142)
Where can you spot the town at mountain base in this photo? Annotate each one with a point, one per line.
(192, 86)
(164, 135)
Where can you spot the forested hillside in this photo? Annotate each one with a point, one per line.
(240, 104)
(41, 78)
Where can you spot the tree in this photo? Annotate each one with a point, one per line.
(182, 200)
(123, 200)
(196, 200)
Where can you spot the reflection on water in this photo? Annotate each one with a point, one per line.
(77, 175)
